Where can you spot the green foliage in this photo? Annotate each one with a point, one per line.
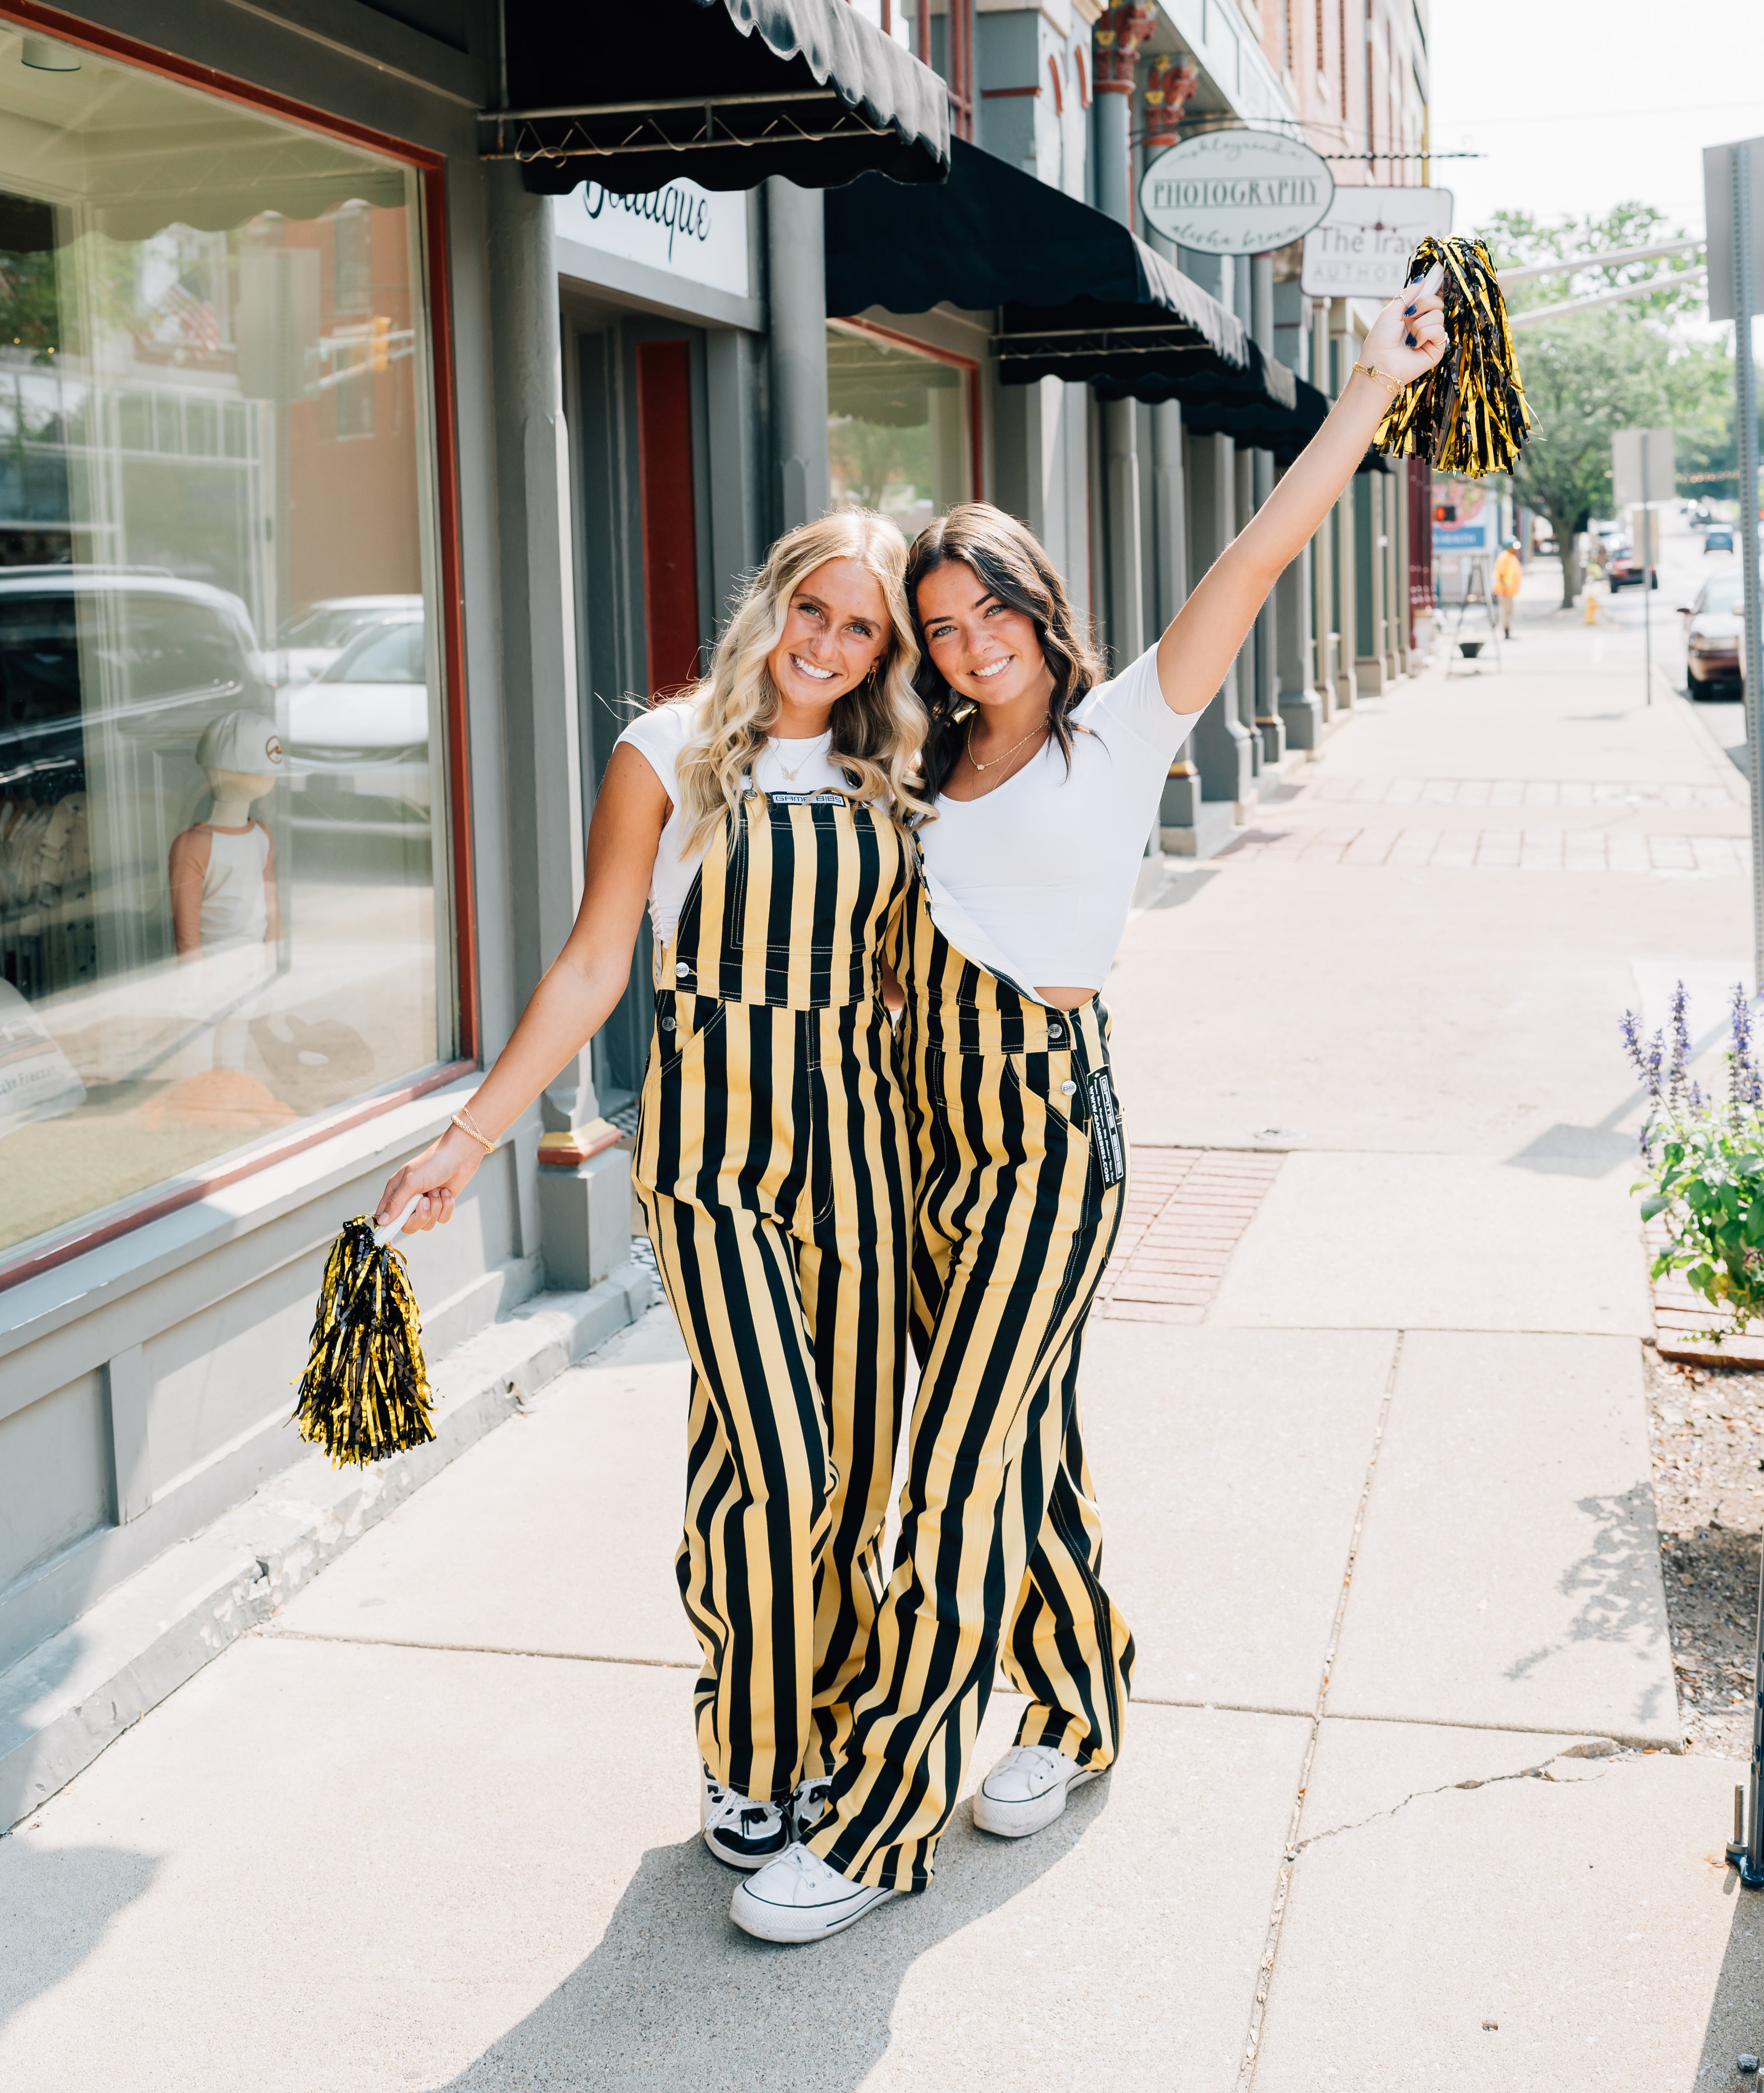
(1627, 366)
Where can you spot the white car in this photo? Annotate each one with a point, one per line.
(360, 733)
(311, 642)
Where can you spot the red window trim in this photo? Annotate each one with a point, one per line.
(967, 363)
(1008, 93)
(1084, 82)
(1053, 74)
(450, 613)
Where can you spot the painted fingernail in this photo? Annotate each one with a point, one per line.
(1410, 339)
(1408, 312)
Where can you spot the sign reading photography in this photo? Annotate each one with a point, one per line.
(1361, 249)
(1236, 192)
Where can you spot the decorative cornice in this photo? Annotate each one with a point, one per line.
(1169, 86)
(1119, 36)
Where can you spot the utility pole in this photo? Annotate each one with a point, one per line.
(1647, 570)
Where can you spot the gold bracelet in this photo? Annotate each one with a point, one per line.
(1381, 377)
(462, 1120)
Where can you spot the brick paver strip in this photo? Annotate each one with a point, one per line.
(1186, 1208)
(1511, 792)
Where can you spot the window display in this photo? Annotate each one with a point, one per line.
(223, 858)
(898, 427)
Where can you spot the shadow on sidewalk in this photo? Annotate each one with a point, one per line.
(1737, 2012)
(55, 1904)
(676, 1997)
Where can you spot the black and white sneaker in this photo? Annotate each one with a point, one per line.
(1027, 1790)
(739, 1830)
(800, 1899)
(808, 1804)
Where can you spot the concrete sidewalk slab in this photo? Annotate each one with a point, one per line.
(1508, 1572)
(1587, 1916)
(1440, 1242)
(556, 1535)
(318, 1870)
(1228, 1464)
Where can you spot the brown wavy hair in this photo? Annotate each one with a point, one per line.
(1013, 565)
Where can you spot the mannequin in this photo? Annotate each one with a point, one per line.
(224, 903)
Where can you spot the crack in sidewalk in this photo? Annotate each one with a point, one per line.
(1592, 1749)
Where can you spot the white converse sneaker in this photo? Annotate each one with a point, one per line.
(1027, 1790)
(743, 1833)
(808, 1803)
(800, 1898)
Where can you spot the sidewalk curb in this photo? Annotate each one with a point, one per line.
(63, 1702)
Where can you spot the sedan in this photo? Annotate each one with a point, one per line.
(311, 642)
(1713, 623)
(1719, 540)
(359, 733)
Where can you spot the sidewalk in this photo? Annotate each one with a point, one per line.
(1402, 1804)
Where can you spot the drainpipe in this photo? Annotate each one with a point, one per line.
(796, 285)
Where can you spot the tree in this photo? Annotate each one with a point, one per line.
(1589, 374)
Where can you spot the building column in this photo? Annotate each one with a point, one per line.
(1126, 564)
(1300, 713)
(1326, 641)
(1396, 579)
(1221, 744)
(1269, 727)
(1370, 668)
(1346, 577)
(796, 305)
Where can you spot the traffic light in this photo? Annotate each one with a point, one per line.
(379, 343)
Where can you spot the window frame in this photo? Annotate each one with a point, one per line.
(896, 339)
(436, 289)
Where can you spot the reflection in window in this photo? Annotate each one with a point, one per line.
(220, 706)
(898, 434)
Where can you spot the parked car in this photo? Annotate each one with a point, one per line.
(311, 641)
(358, 735)
(1714, 624)
(1719, 540)
(1623, 569)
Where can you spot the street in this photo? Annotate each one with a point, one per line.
(1404, 1801)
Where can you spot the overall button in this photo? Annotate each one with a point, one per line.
(1068, 1087)
(667, 1024)
(1053, 1031)
(682, 970)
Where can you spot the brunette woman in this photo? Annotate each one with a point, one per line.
(1047, 783)
(761, 816)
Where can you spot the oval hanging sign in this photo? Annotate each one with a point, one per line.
(1236, 192)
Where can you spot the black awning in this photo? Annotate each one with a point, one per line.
(727, 91)
(993, 236)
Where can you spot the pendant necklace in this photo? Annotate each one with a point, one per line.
(968, 748)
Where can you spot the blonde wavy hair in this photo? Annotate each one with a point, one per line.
(878, 726)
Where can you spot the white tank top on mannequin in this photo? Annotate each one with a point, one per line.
(234, 910)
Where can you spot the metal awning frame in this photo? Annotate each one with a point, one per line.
(574, 143)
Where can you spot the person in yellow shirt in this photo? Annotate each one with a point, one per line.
(1509, 579)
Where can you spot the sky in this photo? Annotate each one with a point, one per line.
(1578, 108)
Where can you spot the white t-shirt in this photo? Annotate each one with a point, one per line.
(782, 766)
(1034, 879)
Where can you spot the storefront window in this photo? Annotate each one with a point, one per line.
(898, 428)
(224, 871)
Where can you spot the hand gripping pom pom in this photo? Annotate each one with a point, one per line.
(365, 1395)
(1468, 414)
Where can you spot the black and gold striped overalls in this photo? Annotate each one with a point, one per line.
(1019, 1168)
(772, 1165)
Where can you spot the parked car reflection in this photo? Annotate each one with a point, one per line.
(311, 643)
(358, 735)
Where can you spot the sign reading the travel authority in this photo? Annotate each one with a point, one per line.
(1236, 192)
(699, 234)
(1362, 248)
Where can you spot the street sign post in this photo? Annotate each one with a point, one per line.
(1644, 471)
(1733, 201)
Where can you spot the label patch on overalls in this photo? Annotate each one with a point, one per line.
(1106, 1144)
(806, 799)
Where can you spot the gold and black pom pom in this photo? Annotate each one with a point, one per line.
(365, 1394)
(1468, 414)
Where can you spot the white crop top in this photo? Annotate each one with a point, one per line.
(1034, 879)
(659, 735)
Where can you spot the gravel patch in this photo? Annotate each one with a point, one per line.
(1706, 1427)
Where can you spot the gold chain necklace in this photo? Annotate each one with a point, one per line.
(967, 746)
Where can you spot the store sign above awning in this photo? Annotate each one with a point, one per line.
(682, 230)
(1236, 192)
(727, 91)
(1362, 248)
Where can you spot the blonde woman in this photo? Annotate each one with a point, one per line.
(760, 815)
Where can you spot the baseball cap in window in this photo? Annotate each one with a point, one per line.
(248, 742)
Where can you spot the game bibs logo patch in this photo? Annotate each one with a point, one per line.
(1106, 1143)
